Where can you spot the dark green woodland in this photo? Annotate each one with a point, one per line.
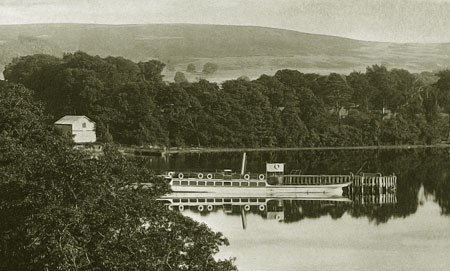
(132, 104)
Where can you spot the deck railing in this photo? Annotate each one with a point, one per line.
(316, 179)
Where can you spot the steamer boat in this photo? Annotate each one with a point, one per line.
(272, 182)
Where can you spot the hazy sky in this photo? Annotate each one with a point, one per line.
(379, 20)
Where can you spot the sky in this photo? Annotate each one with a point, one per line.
(375, 20)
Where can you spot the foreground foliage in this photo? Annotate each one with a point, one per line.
(61, 211)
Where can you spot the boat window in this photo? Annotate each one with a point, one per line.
(192, 183)
(226, 183)
(252, 200)
(184, 182)
(201, 200)
(261, 184)
(209, 200)
(261, 200)
(184, 200)
(253, 184)
(176, 182)
(235, 200)
(192, 200)
(244, 183)
(227, 200)
(219, 200)
(244, 200)
(176, 200)
(201, 183)
(210, 183)
(235, 184)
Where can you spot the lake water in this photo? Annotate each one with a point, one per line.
(409, 230)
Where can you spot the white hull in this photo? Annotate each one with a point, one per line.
(292, 191)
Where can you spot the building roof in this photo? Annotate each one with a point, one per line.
(71, 119)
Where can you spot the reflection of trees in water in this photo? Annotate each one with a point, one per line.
(299, 210)
(436, 178)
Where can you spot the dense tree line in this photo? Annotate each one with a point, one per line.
(61, 211)
(131, 104)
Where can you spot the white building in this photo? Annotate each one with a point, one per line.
(80, 127)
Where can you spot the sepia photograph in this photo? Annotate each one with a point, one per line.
(224, 135)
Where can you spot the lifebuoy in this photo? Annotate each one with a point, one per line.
(247, 207)
(247, 177)
(170, 207)
(261, 207)
(276, 166)
(200, 175)
(181, 208)
(200, 208)
(210, 208)
(209, 176)
(170, 174)
(261, 177)
(180, 176)
(278, 217)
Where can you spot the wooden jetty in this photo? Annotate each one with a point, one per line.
(372, 184)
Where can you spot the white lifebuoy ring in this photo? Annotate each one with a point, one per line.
(210, 208)
(278, 217)
(276, 166)
(261, 177)
(200, 175)
(200, 208)
(170, 207)
(170, 174)
(247, 207)
(180, 176)
(261, 207)
(247, 177)
(209, 176)
(181, 208)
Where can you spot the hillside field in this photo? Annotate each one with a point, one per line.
(238, 50)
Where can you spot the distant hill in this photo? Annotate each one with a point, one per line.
(238, 50)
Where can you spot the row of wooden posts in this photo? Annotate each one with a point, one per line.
(373, 185)
(388, 198)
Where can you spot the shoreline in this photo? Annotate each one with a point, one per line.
(169, 151)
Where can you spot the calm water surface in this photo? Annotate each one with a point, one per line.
(410, 231)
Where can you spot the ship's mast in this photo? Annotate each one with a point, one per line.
(244, 163)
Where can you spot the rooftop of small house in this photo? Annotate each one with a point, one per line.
(71, 119)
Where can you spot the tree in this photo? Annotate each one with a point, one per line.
(443, 86)
(244, 77)
(336, 92)
(151, 70)
(191, 68)
(180, 78)
(210, 67)
(61, 211)
(362, 90)
(383, 83)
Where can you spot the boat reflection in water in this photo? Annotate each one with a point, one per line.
(283, 207)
